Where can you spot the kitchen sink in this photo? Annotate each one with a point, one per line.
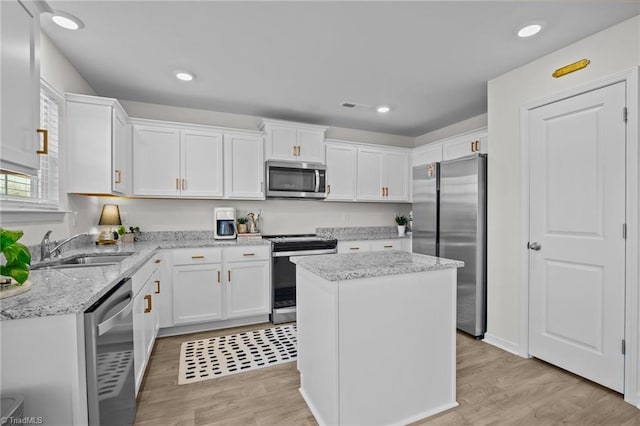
(83, 261)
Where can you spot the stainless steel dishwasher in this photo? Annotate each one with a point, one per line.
(108, 327)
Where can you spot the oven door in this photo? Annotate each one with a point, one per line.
(295, 180)
(283, 281)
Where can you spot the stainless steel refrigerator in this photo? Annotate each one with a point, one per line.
(450, 220)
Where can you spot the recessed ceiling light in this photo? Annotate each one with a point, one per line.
(184, 76)
(529, 30)
(66, 20)
(383, 109)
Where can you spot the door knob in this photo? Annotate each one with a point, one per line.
(535, 246)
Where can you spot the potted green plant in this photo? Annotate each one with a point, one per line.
(128, 237)
(15, 270)
(401, 221)
(242, 225)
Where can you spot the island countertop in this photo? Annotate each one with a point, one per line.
(348, 266)
(73, 290)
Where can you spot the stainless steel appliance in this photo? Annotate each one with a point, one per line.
(450, 220)
(108, 327)
(290, 179)
(224, 223)
(283, 272)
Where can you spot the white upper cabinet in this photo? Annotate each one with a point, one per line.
(243, 166)
(176, 162)
(383, 174)
(20, 74)
(293, 141)
(98, 137)
(466, 144)
(156, 161)
(341, 171)
(426, 154)
(201, 163)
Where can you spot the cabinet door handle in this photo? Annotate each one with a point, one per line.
(199, 256)
(184, 184)
(157, 286)
(147, 299)
(299, 150)
(229, 275)
(158, 260)
(388, 246)
(477, 146)
(383, 191)
(45, 141)
(118, 176)
(472, 147)
(248, 254)
(328, 189)
(218, 276)
(177, 184)
(295, 151)
(354, 248)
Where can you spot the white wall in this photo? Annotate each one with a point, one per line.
(455, 129)
(249, 122)
(610, 51)
(56, 70)
(277, 216)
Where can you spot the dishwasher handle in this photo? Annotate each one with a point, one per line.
(108, 324)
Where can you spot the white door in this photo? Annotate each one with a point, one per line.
(243, 166)
(197, 293)
(369, 181)
(281, 142)
(341, 172)
(310, 145)
(121, 152)
(156, 161)
(396, 176)
(247, 289)
(577, 256)
(201, 163)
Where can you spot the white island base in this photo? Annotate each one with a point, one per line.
(377, 350)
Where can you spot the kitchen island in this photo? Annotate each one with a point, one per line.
(376, 336)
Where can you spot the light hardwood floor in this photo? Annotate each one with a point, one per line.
(493, 387)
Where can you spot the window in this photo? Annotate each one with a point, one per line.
(41, 189)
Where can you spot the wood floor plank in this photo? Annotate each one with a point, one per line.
(494, 387)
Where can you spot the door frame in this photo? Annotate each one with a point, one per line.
(632, 257)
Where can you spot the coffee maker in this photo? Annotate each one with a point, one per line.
(224, 223)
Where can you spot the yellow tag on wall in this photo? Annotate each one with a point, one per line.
(571, 68)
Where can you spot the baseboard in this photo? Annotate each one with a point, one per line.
(501, 343)
(212, 325)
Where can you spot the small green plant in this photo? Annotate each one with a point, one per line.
(16, 255)
(242, 220)
(121, 230)
(401, 220)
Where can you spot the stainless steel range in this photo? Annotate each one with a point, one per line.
(283, 272)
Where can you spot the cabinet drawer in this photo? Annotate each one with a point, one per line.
(380, 245)
(353, 246)
(246, 253)
(195, 256)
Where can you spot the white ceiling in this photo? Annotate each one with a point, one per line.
(429, 61)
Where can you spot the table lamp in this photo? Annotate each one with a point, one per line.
(110, 216)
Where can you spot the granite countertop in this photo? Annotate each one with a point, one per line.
(349, 266)
(356, 233)
(73, 290)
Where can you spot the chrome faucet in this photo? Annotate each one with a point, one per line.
(44, 246)
(46, 253)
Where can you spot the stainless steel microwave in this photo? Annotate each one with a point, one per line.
(292, 179)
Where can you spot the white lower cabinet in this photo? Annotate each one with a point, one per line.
(212, 284)
(146, 316)
(197, 293)
(373, 245)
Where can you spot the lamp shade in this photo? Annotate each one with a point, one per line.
(110, 215)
